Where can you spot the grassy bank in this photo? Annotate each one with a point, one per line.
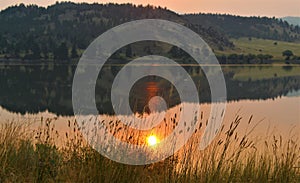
(27, 156)
(263, 46)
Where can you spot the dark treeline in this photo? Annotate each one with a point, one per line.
(183, 57)
(245, 59)
(254, 59)
(238, 26)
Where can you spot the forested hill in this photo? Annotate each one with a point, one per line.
(64, 30)
(33, 32)
(257, 27)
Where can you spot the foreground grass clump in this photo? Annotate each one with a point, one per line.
(27, 157)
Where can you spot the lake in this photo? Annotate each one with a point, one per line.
(270, 93)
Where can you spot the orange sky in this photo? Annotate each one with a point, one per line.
(278, 8)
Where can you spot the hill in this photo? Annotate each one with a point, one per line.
(255, 27)
(64, 30)
(32, 32)
(292, 20)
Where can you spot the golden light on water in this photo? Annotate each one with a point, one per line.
(152, 140)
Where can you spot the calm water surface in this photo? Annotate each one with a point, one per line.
(270, 93)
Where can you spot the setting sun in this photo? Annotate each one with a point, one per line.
(152, 140)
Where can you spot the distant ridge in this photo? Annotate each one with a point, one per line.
(292, 20)
(257, 27)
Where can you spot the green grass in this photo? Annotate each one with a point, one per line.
(231, 158)
(262, 46)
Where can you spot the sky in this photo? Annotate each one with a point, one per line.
(270, 8)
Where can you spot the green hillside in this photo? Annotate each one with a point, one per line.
(262, 46)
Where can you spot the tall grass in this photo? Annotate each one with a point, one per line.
(27, 156)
